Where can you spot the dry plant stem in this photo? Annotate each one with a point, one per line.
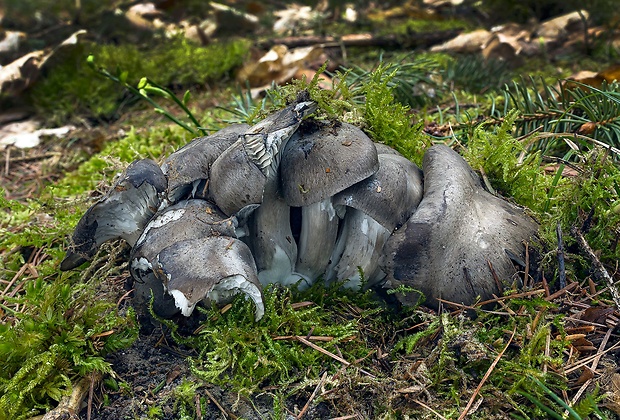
(588, 359)
(602, 272)
(592, 368)
(316, 390)
(429, 409)
(330, 354)
(227, 414)
(69, 406)
(562, 291)
(561, 265)
(486, 376)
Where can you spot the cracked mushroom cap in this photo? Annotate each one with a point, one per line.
(188, 168)
(391, 195)
(239, 175)
(121, 213)
(214, 268)
(323, 160)
(460, 239)
(191, 219)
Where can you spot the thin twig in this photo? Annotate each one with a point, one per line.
(562, 291)
(561, 264)
(516, 295)
(486, 376)
(429, 409)
(225, 412)
(330, 354)
(588, 359)
(527, 264)
(316, 390)
(585, 247)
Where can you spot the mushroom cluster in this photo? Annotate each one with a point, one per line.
(292, 200)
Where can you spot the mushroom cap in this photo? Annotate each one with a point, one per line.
(264, 141)
(238, 176)
(323, 160)
(447, 247)
(384, 149)
(191, 219)
(235, 181)
(191, 164)
(121, 213)
(391, 195)
(216, 267)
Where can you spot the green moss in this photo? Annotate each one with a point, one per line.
(71, 89)
(389, 121)
(237, 352)
(409, 26)
(498, 155)
(63, 333)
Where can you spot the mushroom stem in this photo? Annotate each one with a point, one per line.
(359, 248)
(319, 229)
(271, 239)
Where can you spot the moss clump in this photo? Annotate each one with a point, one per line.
(72, 90)
(497, 154)
(63, 333)
(235, 351)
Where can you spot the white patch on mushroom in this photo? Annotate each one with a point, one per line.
(141, 264)
(233, 285)
(319, 230)
(359, 246)
(182, 302)
(279, 270)
(159, 221)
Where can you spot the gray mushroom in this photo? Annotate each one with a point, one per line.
(321, 162)
(239, 175)
(384, 149)
(317, 163)
(391, 195)
(121, 213)
(317, 238)
(271, 239)
(359, 247)
(214, 268)
(459, 231)
(188, 168)
(187, 220)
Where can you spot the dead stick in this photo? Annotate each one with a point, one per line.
(562, 291)
(429, 409)
(561, 263)
(486, 376)
(516, 295)
(316, 390)
(588, 359)
(527, 264)
(310, 338)
(585, 247)
(330, 354)
(225, 412)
